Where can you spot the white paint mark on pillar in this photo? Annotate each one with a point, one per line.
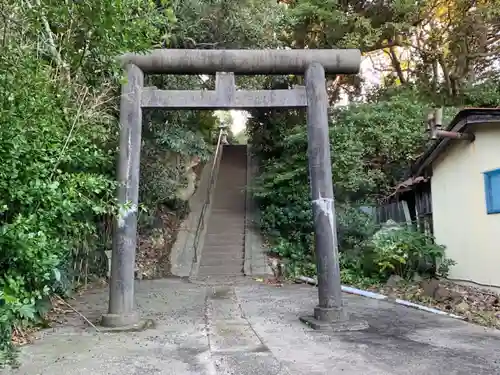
(109, 254)
(129, 158)
(124, 213)
(325, 206)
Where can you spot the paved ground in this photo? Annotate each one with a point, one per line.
(250, 328)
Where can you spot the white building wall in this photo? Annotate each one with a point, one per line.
(461, 223)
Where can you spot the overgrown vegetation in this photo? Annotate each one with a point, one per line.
(57, 141)
(371, 146)
(376, 138)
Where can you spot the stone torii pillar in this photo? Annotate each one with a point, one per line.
(225, 63)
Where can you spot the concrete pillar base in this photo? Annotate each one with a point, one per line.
(332, 314)
(333, 319)
(120, 320)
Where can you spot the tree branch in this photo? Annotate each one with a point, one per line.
(446, 74)
(397, 65)
(381, 45)
(483, 54)
(52, 45)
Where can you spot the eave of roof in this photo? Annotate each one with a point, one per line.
(460, 124)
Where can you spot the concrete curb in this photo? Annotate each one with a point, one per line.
(368, 294)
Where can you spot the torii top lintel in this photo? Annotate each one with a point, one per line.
(246, 62)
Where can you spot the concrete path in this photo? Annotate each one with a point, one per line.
(248, 328)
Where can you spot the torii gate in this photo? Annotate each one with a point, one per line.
(225, 63)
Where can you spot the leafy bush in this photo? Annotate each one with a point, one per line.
(58, 80)
(372, 145)
(51, 184)
(404, 252)
(165, 160)
(444, 266)
(486, 94)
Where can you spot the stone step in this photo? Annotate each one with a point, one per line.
(229, 205)
(222, 254)
(218, 227)
(233, 171)
(230, 189)
(228, 248)
(236, 219)
(231, 184)
(234, 199)
(232, 213)
(235, 213)
(230, 251)
(219, 260)
(224, 238)
(223, 210)
(239, 222)
(237, 243)
(233, 219)
(236, 216)
(233, 216)
(232, 175)
(236, 269)
(237, 200)
(218, 253)
(210, 261)
(223, 249)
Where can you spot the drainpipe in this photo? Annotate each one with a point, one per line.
(435, 128)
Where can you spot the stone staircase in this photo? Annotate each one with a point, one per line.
(223, 251)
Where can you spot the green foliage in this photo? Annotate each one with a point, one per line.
(486, 94)
(348, 24)
(225, 24)
(51, 187)
(404, 252)
(58, 79)
(85, 37)
(168, 151)
(444, 266)
(372, 144)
